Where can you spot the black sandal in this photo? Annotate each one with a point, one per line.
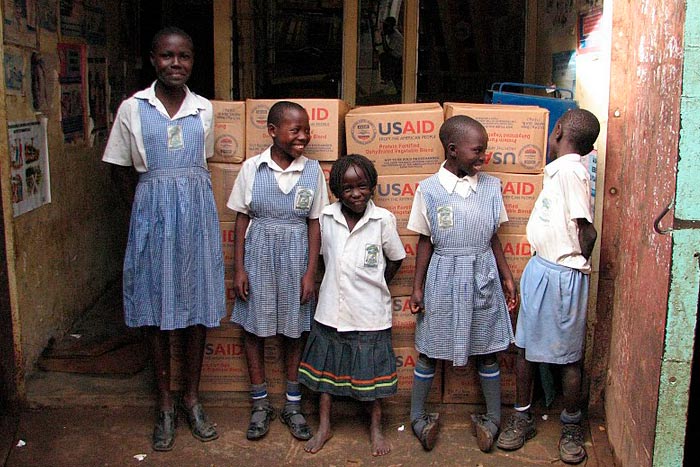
(257, 430)
(300, 431)
(201, 427)
(164, 431)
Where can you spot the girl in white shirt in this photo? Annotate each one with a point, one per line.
(349, 351)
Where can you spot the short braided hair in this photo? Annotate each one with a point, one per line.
(335, 180)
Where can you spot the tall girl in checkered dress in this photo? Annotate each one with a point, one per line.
(278, 197)
(461, 277)
(173, 268)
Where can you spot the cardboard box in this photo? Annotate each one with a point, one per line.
(222, 178)
(517, 251)
(399, 139)
(227, 234)
(517, 135)
(229, 132)
(402, 283)
(326, 118)
(403, 327)
(224, 366)
(520, 191)
(462, 386)
(326, 167)
(396, 193)
(406, 358)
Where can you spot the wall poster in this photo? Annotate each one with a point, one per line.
(20, 22)
(72, 78)
(15, 64)
(98, 98)
(29, 165)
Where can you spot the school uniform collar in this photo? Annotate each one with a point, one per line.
(297, 164)
(554, 166)
(335, 210)
(449, 180)
(191, 105)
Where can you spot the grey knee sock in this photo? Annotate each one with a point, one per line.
(490, 376)
(423, 376)
(258, 392)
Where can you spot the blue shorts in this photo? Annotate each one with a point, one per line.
(552, 318)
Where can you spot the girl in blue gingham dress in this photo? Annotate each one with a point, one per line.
(278, 197)
(461, 274)
(471, 317)
(173, 267)
(276, 255)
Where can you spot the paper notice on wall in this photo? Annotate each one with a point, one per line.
(29, 165)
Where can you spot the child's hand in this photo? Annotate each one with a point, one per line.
(240, 285)
(416, 302)
(511, 293)
(308, 288)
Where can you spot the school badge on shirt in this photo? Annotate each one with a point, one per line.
(303, 198)
(446, 217)
(371, 255)
(175, 137)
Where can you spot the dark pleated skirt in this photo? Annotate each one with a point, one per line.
(357, 364)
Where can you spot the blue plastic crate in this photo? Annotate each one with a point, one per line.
(556, 105)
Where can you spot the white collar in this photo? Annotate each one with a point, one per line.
(297, 165)
(449, 180)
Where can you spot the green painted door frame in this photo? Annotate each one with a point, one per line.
(676, 364)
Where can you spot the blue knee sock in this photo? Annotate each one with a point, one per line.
(423, 376)
(490, 377)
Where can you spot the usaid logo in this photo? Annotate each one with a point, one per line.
(226, 146)
(363, 131)
(258, 116)
(530, 156)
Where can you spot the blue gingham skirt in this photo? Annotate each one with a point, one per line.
(173, 267)
(552, 318)
(276, 258)
(465, 309)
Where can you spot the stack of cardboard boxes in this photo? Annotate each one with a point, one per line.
(402, 141)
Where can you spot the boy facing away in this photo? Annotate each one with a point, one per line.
(554, 286)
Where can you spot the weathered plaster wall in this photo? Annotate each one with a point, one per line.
(66, 253)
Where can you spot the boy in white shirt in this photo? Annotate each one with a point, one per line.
(552, 319)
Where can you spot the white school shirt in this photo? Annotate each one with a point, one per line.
(354, 295)
(125, 143)
(418, 220)
(242, 193)
(552, 230)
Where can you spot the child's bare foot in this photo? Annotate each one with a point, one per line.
(317, 441)
(380, 445)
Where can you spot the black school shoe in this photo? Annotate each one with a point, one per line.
(571, 448)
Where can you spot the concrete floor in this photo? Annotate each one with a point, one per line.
(80, 420)
(84, 420)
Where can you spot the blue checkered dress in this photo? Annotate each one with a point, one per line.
(465, 309)
(173, 268)
(277, 255)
